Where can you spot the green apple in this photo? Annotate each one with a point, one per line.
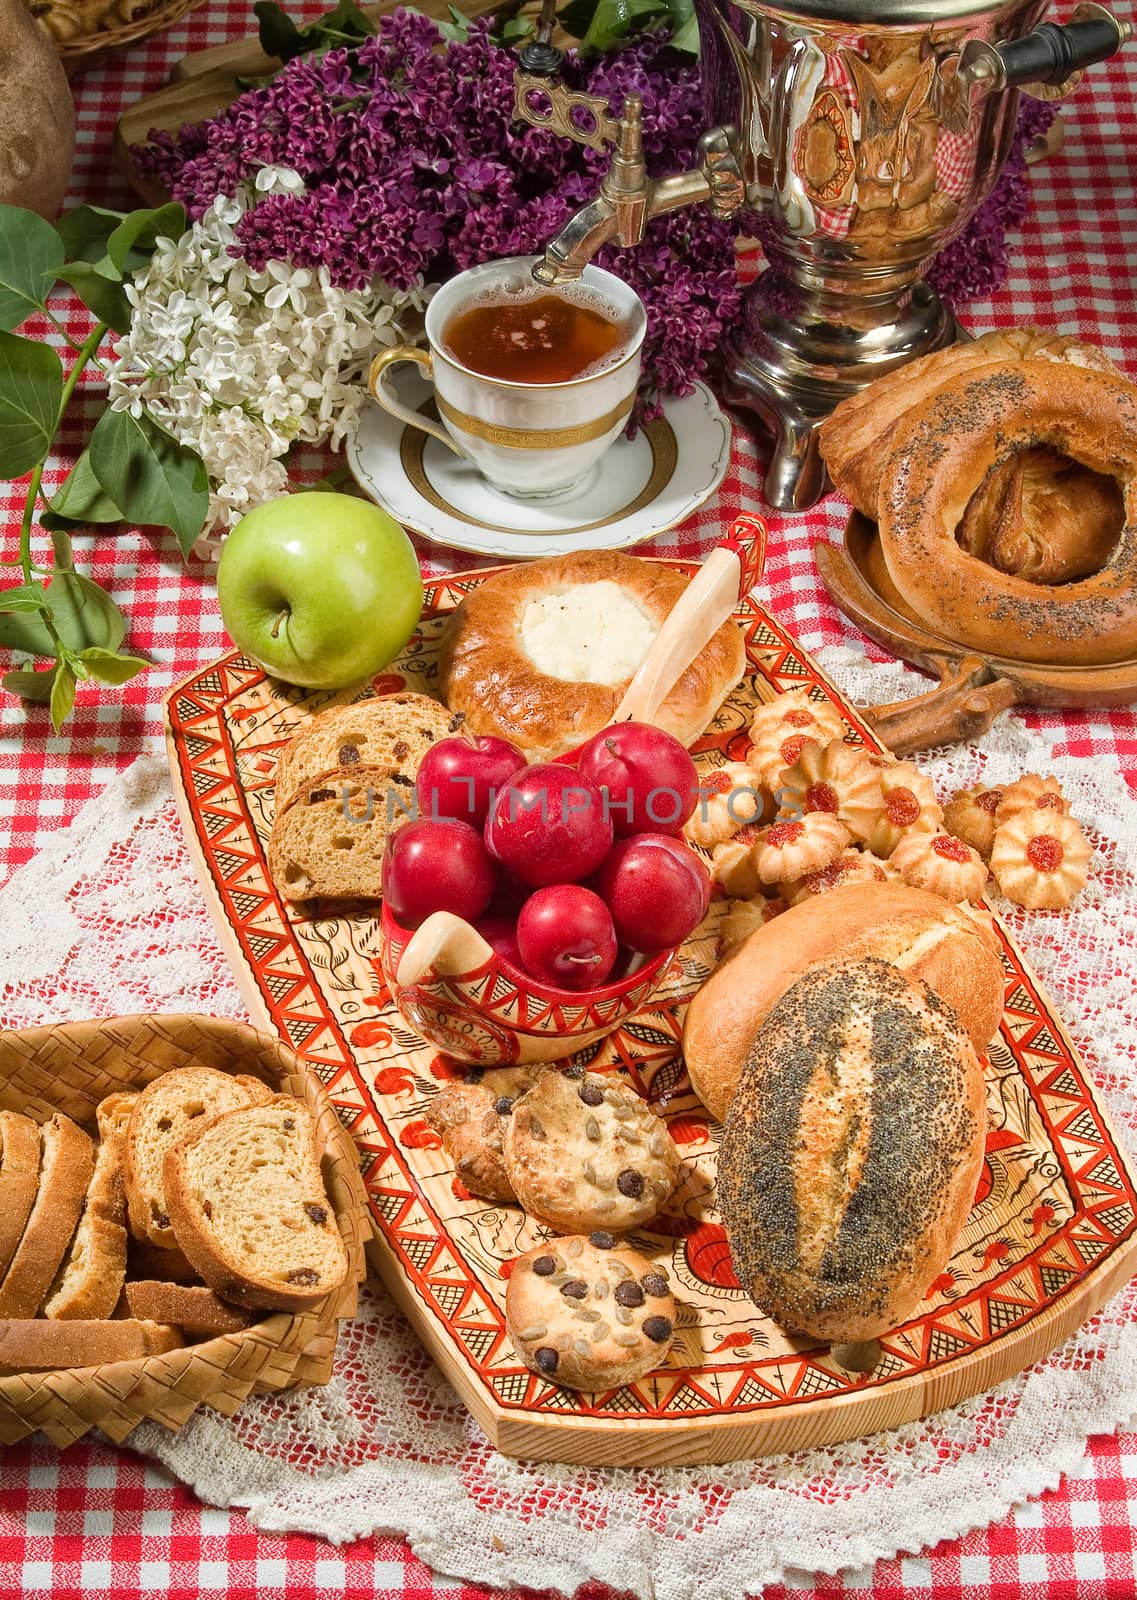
(321, 590)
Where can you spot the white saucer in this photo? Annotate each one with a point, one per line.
(642, 486)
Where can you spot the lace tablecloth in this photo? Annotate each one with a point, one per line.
(98, 1520)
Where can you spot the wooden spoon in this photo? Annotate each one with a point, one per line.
(444, 944)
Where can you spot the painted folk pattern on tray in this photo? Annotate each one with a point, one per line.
(1054, 1198)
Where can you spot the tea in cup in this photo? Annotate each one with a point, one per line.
(531, 384)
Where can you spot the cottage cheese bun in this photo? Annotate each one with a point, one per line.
(542, 653)
(951, 949)
(851, 1151)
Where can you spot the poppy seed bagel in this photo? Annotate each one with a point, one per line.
(851, 1151)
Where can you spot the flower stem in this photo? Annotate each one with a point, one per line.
(86, 351)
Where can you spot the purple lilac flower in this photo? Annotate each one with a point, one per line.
(414, 169)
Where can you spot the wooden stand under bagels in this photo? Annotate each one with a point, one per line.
(541, 654)
(954, 952)
(952, 441)
(852, 1151)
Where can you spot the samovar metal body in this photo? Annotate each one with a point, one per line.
(863, 142)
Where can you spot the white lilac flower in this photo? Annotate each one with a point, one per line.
(241, 365)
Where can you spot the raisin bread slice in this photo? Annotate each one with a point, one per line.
(393, 731)
(249, 1209)
(19, 1180)
(32, 1345)
(163, 1113)
(90, 1278)
(68, 1160)
(329, 843)
(145, 1261)
(193, 1308)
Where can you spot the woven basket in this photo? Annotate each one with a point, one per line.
(77, 55)
(70, 1068)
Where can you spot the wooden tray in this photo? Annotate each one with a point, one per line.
(1051, 1236)
(973, 687)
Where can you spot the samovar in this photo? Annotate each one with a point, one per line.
(866, 133)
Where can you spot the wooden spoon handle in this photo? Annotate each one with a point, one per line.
(444, 944)
(703, 607)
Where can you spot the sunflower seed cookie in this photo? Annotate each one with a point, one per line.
(589, 1313)
(471, 1116)
(584, 1153)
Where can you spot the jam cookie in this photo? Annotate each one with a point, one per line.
(1041, 859)
(589, 1313)
(942, 864)
(910, 806)
(1031, 792)
(471, 1116)
(586, 1152)
(776, 750)
(788, 850)
(970, 815)
(729, 798)
(797, 713)
(732, 863)
(851, 866)
(839, 778)
(744, 917)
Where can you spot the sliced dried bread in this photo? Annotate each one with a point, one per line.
(329, 842)
(192, 1308)
(19, 1179)
(32, 1345)
(156, 1261)
(393, 731)
(163, 1113)
(249, 1209)
(90, 1278)
(66, 1164)
(113, 1113)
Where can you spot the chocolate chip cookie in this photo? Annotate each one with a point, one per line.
(586, 1152)
(472, 1116)
(589, 1313)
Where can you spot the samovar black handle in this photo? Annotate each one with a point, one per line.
(1049, 60)
(541, 58)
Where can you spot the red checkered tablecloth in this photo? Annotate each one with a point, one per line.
(98, 1520)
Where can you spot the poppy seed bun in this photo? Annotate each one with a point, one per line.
(503, 640)
(951, 950)
(851, 1152)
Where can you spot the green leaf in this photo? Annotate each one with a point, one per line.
(514, 29)
(31, 391)
(613, 21)
(62, 695)
(79, 501)
(106, 297)
(24, 597)
(61, 548)
(110, 667)
(457, 30)
(279, 35)
(151, 477)
(84, 615)
(684, 27)
(35, 686)
(85, 230)
(131, 244)
(30, 258)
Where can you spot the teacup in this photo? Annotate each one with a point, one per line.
(526, 439)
